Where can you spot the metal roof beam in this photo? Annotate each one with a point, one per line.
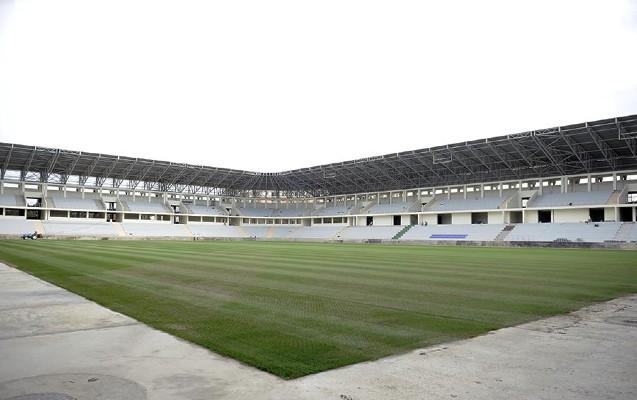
(608, 153)
(5, 165)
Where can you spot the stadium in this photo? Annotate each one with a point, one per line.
(579, 179)
(370, 278)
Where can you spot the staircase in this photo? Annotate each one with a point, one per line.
(618, 196)
(339, 233)
(623, 233)
(187, 228)
(119, 228)
(402, 232)
(504, 233)
(39, 226)
(185, 207)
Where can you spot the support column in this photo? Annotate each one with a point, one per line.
(564, 181)
(464, 191)
(589, 185)
(614, 181)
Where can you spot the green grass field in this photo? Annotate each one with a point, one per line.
(299, 308)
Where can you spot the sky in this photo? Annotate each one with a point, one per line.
(275, 85)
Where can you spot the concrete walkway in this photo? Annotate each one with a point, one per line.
(62, 346)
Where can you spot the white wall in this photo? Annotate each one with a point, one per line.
(461, 218)
(430, 219)
(383, 220)
(609, 214)
(496, 217)
(571, 215)
(530, 216)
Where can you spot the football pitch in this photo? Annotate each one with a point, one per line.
(299, 308)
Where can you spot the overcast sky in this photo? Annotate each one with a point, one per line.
(275, 85)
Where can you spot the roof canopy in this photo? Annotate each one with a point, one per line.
(592, 147)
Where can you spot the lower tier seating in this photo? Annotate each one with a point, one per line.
(63, 228)
(217, 230)
(575, 232)
(479, 232)
(370, 232)
(156, 229)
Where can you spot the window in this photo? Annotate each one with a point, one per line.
(632, 197)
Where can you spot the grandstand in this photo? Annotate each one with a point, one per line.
(570, 184)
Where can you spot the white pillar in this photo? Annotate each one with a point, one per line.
(564, 181)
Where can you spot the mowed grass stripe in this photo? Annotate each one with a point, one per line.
(275, 265)
(299, 308)
(314, 282)
(459, 268)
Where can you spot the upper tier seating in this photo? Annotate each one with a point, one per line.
(292, 212)
(11, 200)
(74, 202)
(256, 212)
(576, 232)
(468, 204)
(397, 207)
(217, 231)
(16, 226)
(205, 210)
(331, 211)
(570, 199)
(476, 232)
(155, 229)
(142, 205)
(370, 232)
(93, 228)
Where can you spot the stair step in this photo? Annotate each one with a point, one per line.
(402, 232)
(504, 233)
